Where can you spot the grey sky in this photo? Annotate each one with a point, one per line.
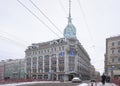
(19, 28)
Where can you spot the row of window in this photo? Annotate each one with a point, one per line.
(113, 43)
(46, 50)
(113, 59)
(34, 64)
(61, 54)
(113, 51)
(46, 77)
(53, 69)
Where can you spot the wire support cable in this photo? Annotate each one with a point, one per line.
(62, 7)
(85, 19)
(18, 43)
(38, 18)
(45, 16)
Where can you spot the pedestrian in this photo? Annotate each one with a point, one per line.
(108, 79)
(103, 78)
(92, 83)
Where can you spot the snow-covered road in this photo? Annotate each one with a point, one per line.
(83, 84)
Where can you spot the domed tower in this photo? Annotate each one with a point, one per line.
(70, 30)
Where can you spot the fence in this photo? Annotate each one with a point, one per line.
(116, 81)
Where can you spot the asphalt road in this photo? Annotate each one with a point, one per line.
(52, 84)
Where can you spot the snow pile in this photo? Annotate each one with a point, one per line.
(83, 84)
(23, 83)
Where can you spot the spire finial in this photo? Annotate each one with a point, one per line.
(69, 18)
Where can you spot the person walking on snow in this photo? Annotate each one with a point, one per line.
(103, 79)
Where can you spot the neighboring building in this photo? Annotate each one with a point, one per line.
(1, 70)
(60, 59)
(112, 56)
(97, 75)
(92, 72)
(15, 69)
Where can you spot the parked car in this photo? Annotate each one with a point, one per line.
(76, 80)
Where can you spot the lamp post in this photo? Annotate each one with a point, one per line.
(112, 73)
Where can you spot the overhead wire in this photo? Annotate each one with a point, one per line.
(62, 7)
(45, 16)
(79, 3)
(38, 18)
(16, 38)
(18, 43)
(93, 46)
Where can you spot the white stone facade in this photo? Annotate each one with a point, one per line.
(60, 59)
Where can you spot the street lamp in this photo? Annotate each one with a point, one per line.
(112, 70)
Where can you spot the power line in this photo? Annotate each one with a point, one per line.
(25, 42)
(62, 7)
(45, 16)
(85, 19)
(13, 41)
(38, 18)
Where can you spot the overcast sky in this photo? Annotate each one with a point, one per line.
(95, 20)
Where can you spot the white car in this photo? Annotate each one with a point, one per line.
(76, 80)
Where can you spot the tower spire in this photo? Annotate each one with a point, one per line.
(69, 18)
(70, 30)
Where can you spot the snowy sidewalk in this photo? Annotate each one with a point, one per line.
(98, 84)
(65, 84)
(33, 82)
(106, 84)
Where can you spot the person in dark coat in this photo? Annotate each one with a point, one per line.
(103, 79)
(108, 79)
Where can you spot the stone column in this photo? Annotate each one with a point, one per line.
(37, 68)
(31, 67)
(43, 65)
(57, 58)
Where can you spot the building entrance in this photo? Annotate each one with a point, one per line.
(70, 77)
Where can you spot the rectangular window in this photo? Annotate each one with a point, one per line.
(119, 59)
(62, 47)
(118, 50)
(118, 42)
(46, 69)
(54, 49)
(34, 70)
(61, 61)
(112, 51)
(53, 55)
(53, 62)
(46, 57)
(112, 59)
(61, 68)
(59, 48)
(71, 68)
(39, 76)
(40, 70)
(112, 43)
(40, 58)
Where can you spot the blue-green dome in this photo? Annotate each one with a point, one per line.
(70, 31)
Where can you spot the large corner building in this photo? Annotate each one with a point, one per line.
(60, 59)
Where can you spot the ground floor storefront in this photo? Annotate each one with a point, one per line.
(52, 76)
